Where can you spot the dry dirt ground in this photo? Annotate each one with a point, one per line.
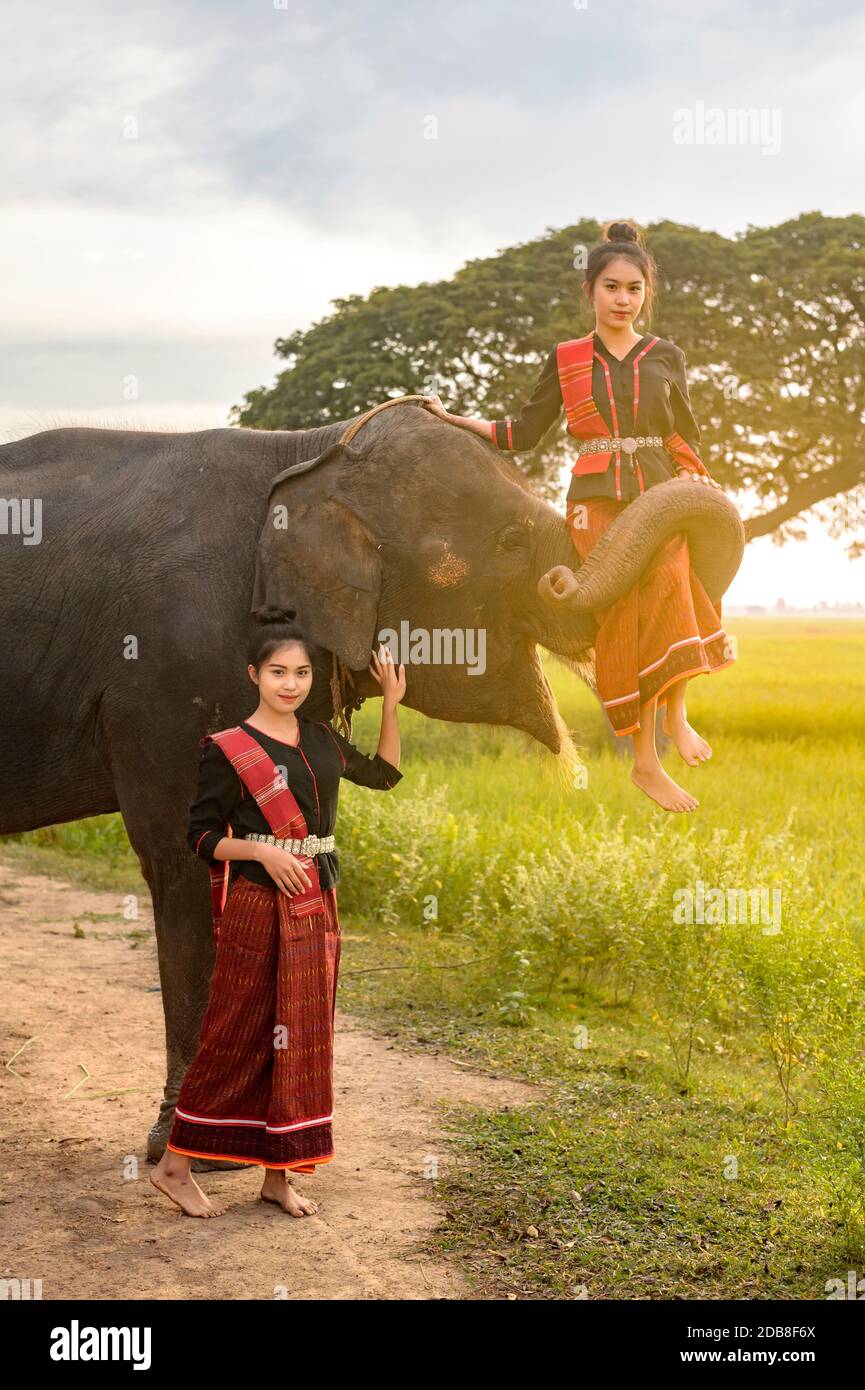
(81, 1038)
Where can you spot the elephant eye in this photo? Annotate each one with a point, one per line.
(512, 537)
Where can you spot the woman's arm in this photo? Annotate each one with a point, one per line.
(388, 739)
(376, 772)
(217, 795)
(482, 427)
(392, 684)
(381, 771)
(683, 444)
(286, 871)
(514, 433)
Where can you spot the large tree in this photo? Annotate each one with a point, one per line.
(772, 323)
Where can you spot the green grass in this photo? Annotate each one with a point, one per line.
(93, 853)
(657, 1216)
(495, 911)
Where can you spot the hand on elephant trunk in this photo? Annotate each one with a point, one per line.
(558, 585)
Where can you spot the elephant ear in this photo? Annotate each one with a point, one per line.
(316, 557)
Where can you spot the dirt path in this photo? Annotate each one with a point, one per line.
(76, 1208)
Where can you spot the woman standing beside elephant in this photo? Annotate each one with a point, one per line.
(626, 401)
(260, 1087)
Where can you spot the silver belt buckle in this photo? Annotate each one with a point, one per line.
(629, 445)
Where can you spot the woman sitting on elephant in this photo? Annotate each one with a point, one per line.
(260, 1087)
(625, 397)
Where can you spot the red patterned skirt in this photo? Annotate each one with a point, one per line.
(260, 1087)
(662, 630)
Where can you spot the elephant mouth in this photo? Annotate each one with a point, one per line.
(512, 691)
(541, 717)
(531, 705)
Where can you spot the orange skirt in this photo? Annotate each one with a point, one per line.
(260, 1087)
(664, 629)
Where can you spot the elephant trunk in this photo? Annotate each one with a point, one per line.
(702, 514)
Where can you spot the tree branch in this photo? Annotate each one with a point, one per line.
(804, 496)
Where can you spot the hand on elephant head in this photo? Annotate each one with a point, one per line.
(698, 477)
(435, 406)
(385, 673)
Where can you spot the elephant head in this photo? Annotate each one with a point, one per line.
(425, 533)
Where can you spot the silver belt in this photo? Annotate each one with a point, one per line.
(313, 844)
(630, 445)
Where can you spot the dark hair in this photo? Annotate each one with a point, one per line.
(623, 239)
(274, 627)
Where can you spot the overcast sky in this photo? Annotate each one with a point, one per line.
(182, 182)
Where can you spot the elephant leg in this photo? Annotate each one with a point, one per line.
(185, 949)
(153, 794)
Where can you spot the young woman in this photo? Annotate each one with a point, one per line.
(625, 396)
(260, 1087)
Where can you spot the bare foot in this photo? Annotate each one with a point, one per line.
(277, 1188)
(661, 788)
(692, 746)
(184, 1190)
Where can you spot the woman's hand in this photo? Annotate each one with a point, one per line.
(698, 477)
(435, 407)
(287, 872)
(392, 683)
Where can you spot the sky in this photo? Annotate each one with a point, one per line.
(182, 183)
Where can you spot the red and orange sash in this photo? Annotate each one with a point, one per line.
(575, 361)
(278, 804)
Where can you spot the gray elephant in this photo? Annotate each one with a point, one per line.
(125, 625)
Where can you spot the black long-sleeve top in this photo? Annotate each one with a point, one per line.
(312, 769)
(664, 407)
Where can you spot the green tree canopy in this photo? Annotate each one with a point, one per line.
(771, 321)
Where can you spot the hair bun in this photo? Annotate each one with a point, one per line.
(622, 231)
(272, 614)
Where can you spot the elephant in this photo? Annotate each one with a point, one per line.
(125, 625)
